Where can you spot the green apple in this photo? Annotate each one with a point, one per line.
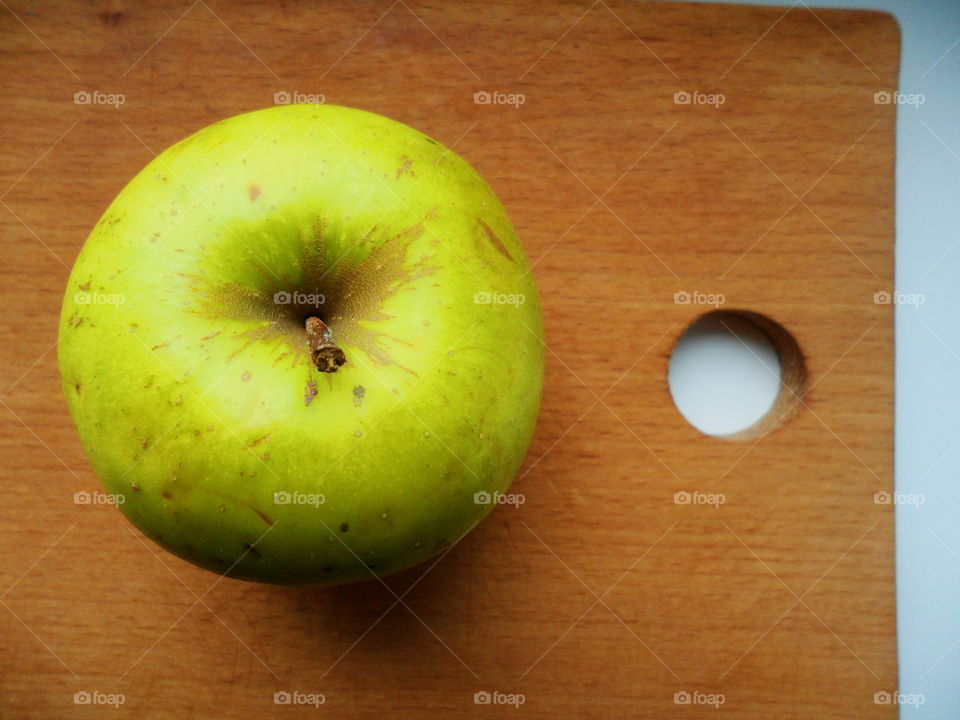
(304, 344)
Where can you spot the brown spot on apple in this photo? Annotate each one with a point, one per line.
(495, 240)
(113, 15)
(245, 376)
(310, 393)
(254, 192)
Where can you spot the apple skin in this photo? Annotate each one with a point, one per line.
(195, 397)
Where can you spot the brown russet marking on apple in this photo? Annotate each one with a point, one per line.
(85, 286)
(358, 393)
(212, 335)
(245, 376)
(354, 287)
(344, 527)
(263, 516)
(310, 393)
(259, 440)
(254, 192)
(495, 240)
(406, 167)
(135, 487)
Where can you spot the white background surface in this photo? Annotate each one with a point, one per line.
(927, 446)
(724, 375)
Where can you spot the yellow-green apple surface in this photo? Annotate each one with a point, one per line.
(304, 344)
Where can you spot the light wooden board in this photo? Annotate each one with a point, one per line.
(599, 597)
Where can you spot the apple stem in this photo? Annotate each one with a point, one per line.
(325, 354)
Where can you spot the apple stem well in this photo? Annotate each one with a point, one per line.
(324, 352)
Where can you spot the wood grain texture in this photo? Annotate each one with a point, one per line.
(599, 597)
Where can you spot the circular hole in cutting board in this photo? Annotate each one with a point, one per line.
(735, 374)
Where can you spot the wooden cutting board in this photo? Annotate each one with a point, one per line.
(600, 596)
